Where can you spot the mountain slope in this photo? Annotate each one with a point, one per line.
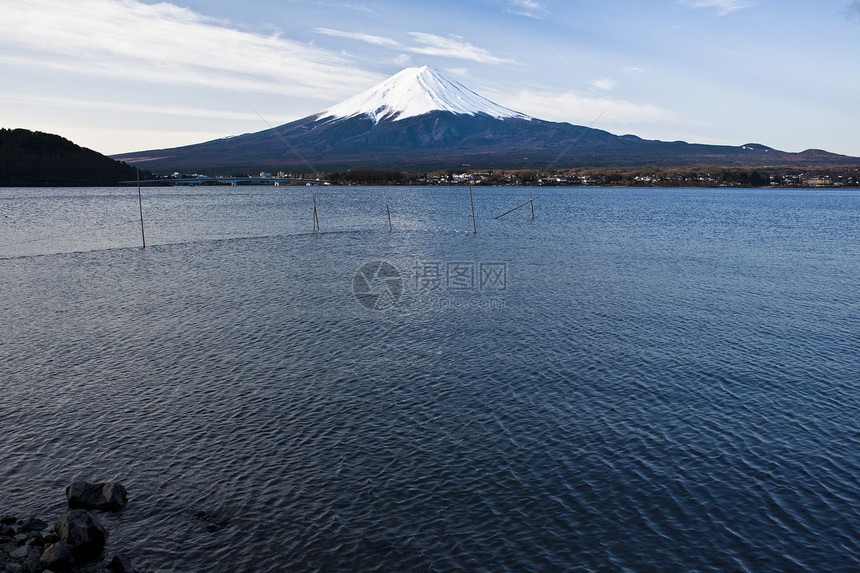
(420, 120)
(36, 159)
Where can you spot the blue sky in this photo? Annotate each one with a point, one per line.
(127, 75)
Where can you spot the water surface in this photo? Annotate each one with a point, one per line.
(665, 380)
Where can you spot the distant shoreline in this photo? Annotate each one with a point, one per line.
(708, 176)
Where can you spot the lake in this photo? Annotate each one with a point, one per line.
(633, 380)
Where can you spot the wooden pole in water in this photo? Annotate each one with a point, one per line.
(531, 202)
(389, 217)
(316, 218)
(474, 226)
(140, 205)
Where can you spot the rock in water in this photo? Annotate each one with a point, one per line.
(82, 531)
(110, 496)
(57, 555)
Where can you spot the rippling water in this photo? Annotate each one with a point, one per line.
(664, 380)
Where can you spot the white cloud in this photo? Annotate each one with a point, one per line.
(722, 7)
(427, 44)
(104, 105)
(164, 43)
(528, 8)
(605, 84)
(361, 36)
(600, 112)
(452, 47)
(358, 7)
(404, 60)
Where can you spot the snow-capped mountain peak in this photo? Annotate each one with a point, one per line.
(413, 92)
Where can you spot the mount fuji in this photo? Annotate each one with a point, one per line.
(421, 120)
(415, 92)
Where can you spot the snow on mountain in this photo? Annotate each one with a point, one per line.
(413, 92)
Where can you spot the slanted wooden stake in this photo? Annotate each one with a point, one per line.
(474, 226)
(140, 205)
(389, 217)
(531, 202)
(518, 207)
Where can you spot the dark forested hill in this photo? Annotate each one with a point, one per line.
(36, 159)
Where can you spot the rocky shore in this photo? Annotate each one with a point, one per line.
(73, 543)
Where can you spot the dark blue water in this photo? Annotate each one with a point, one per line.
(659, 380)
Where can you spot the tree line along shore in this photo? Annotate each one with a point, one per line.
(641, 177)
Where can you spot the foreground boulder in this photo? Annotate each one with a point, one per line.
(110, 496)
(83, 532)
(57, 555)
